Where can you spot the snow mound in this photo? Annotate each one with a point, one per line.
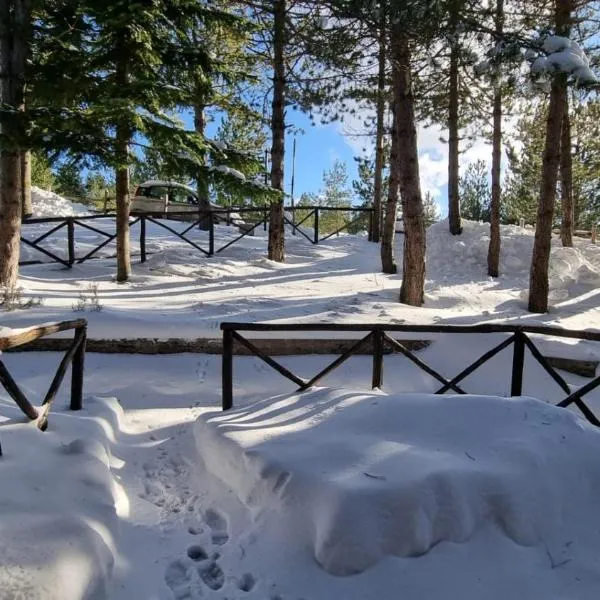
(49, 204)
(58, 522)
(364, 475)
(452, 257)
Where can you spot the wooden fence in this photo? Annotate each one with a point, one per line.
(380, 341)
(74, 356)
(203, 219)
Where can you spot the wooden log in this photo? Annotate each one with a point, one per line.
(19, 337)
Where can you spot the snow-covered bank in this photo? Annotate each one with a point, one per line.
(58, 525)
(49, 204)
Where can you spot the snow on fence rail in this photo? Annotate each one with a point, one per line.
(74, 356)
(380, 341)
(203, 219)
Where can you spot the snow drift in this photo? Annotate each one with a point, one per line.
(58, 521)
(49, 204)
(361, 476)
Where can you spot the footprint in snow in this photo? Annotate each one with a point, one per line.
(217, 524)
(212, 575)
(178, 579)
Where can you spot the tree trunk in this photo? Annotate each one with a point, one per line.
(199, 126)
(123, 136)
(27, 207)
(276, 221)
(412, 290)
(379, 141)
(538, 276)
(493, 260)
(14, 35)
(566, 179)
(454, 221)
(388, 261)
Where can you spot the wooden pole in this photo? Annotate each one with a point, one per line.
(516, 384)
(377, 379)
(143, 238)
(227, 370)
(71, 240)
(77, 370)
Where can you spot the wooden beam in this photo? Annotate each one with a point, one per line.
(18, 337)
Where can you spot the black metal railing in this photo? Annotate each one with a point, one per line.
(380, 342)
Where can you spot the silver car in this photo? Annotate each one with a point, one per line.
(156, 196)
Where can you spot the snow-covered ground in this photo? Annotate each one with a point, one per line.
(179, 292)
(151, 493)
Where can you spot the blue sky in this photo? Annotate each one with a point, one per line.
(318, 147)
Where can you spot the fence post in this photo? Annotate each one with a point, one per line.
(211, 233)
(593, 234)
(71, 240)
(316, 238)
(143, 238)
(377, 380)
(516, 383)
(77, 367)
(227, 370)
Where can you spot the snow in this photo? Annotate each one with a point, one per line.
(154, 494)
(361, 476)
(335, 281)
(58, 524)
(229, 171)
(49, 204)
(564, 56)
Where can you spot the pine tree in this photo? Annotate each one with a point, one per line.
(15, 25)
(475, 192)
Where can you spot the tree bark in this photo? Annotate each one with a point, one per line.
(454, 221)
(199, 127)
(379, 137)
(27, 207)
(14, 37)
(276, 250)
(388, 261)
(493, 259)
(412, 290)
(566, 179)
(123, 136)
(538, 276)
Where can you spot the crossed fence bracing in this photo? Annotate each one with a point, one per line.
(379, 340)
(203, 219)
(74, 356)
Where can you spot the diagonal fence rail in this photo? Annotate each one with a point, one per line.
(379, 340)
(74, 357)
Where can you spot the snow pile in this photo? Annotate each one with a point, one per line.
(58, 519)
(360, 476)
(49, 204)
(451, 258)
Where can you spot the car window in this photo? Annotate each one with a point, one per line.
(182, 196)
(158, 191)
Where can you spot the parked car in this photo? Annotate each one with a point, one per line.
(172, 197)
